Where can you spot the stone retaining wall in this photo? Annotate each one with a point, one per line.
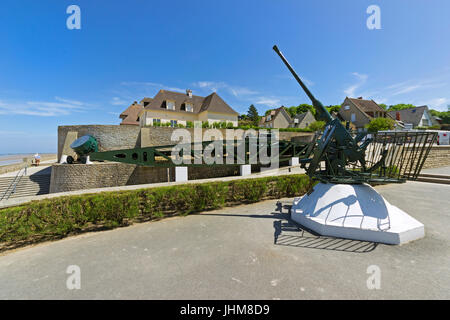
(66, 177)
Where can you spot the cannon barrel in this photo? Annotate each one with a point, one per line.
(322, 112)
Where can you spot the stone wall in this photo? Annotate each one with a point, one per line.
(66, 177)
(109, 137)
(114, 137)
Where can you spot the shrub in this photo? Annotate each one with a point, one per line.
(378, 124)
(317, 125)
(59, 217)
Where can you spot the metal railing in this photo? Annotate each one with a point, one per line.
(13, 185)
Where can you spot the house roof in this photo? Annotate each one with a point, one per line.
(301, 116)
(274, 113)
(411, 115)
(212, 103)
(146, 101)
(131, 114)
(366, 105)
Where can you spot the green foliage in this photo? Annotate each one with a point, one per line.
(444, 115)
(378, 124)
(384, 106)
(58, 217)
(302, 108)
(400, 106)
(253, 115)
(317, 125)
(334, 108)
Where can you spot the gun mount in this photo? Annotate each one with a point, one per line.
(393, 158)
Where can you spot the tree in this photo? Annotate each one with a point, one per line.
(317, 125)
(334, 108)
(253, 115)
(383, 106)
(444, 115)
(400, 106)
(378, 124)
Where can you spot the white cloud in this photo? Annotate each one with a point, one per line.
(410, 86)
(236, 91)
(438, 103)
(116, 101)
(361, 79)
(269, 101)
(43, 108)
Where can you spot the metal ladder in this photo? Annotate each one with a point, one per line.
(13, 185)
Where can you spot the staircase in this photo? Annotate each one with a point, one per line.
(434, 178)
(27, 186)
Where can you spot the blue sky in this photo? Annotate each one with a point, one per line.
(125, 50)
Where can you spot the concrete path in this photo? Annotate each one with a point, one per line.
(43, 168)
(243, 252)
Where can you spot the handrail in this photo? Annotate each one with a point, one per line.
(13, 185)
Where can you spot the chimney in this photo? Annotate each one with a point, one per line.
(397, 116)
(360, 98)
(189, 92)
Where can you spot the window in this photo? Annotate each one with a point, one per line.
(189, 107)
(353, 117)
(156, 121)
(173, 123)
(269, 117)
(346, 107)
(170, 105)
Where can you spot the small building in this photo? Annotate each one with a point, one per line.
(179, 108)
(303, 120)
(278, 118)
(131, 115)
(360, 112)
(414, 117)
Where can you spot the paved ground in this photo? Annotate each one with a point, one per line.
(244, 252)
(43, 168)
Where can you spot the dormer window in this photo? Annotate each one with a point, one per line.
(170, 105)
(189, 107)
(269, 117)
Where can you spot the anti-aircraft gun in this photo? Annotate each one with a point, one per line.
(372, 158)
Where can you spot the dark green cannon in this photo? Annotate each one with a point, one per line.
(375, 158)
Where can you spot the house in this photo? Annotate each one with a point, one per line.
(278, 118)
(414, 117)
(131, 115)
(303, 120)
(360, 112)
(179, 108)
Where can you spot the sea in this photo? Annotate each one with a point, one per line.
(6, 159)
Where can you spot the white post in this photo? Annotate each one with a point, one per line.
(63, 159)
(181, 174)
(246, 169)
(88, 161)
(294, 161)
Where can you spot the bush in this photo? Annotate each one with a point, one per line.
(58, 217)
(317, 126)
(378, 124)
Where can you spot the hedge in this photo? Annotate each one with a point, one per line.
(59, 217)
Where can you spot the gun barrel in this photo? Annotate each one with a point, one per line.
(323, 113)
